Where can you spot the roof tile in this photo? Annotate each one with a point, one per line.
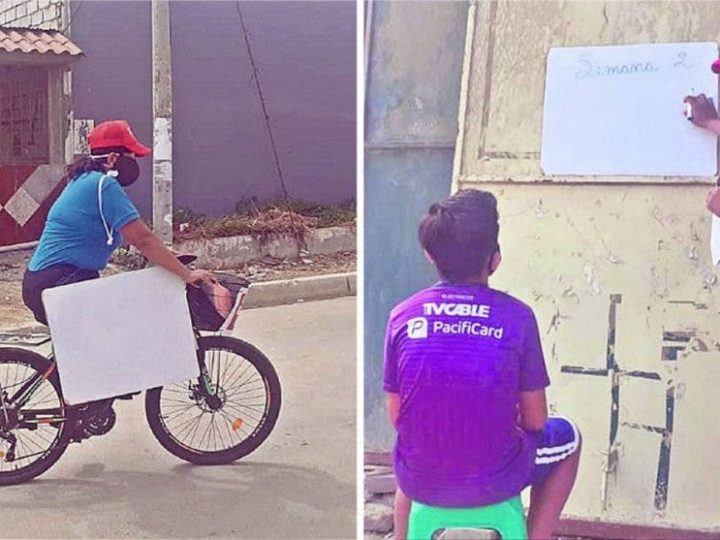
(37, 41)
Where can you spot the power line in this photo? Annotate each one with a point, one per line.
(256, 76)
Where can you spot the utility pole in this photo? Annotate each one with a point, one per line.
(162, 122)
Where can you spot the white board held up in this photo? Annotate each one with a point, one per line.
(618, 110)
(121, 334)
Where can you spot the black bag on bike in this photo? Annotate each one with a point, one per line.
(215, 306)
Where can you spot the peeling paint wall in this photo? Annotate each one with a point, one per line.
(618, 270)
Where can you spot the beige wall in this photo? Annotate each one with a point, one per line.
(617, 269)
(45, 14)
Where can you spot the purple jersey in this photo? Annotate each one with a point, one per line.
(459, 356)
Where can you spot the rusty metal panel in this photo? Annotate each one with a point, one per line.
(24, 135)
(618, 270)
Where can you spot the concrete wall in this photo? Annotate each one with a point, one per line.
(45, 14)
(414, 69)
(306, 55)
(618, 272)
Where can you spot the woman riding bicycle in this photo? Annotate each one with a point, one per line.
(91, 218)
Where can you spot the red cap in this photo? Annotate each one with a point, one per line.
(716, 66)
(116, 133)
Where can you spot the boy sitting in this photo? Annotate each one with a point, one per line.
(465, 380)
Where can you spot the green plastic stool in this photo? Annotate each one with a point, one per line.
(506, 518)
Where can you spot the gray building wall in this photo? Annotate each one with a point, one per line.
(306, 55)
(412, 94)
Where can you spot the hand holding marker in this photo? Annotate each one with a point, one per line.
(700, 110)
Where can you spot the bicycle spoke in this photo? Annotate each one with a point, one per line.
(26, 438)
(239, 377)
(215, 430)
(189, 423)
(33, 439)
(227, 425)
(38, 433)
(202, 436)
(242, 414)
(223, 378)
(240, 429)
(174, 400)
(249, 393)
(217, 379)
(177, 413)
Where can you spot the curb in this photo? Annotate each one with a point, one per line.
(260, 294)
(291, 291)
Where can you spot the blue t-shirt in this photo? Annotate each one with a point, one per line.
(459, 356)
(74, 233)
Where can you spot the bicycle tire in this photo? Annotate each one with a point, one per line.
(248, 445)
(40, 364)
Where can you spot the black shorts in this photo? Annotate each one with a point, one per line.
(34, 283)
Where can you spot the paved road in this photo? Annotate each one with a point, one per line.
(299, 484)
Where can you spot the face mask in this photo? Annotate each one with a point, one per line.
(127, 169)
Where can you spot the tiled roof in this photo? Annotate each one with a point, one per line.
(25, 40)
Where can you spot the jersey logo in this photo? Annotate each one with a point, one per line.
(457, 310)
(417, 328)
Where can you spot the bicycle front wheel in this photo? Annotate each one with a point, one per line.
(225, 417)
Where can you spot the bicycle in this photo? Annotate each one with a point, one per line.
(237, 394)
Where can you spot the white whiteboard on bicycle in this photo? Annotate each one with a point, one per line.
(121, 334)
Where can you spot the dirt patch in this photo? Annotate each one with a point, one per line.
(13, 264)
(13, 312)
(268, 223)
(273, 218)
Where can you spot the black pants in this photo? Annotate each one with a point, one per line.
(34, 283)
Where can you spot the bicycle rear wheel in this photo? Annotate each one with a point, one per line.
(34, 437)
(230, 421)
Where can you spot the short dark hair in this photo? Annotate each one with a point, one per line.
(461, 233)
